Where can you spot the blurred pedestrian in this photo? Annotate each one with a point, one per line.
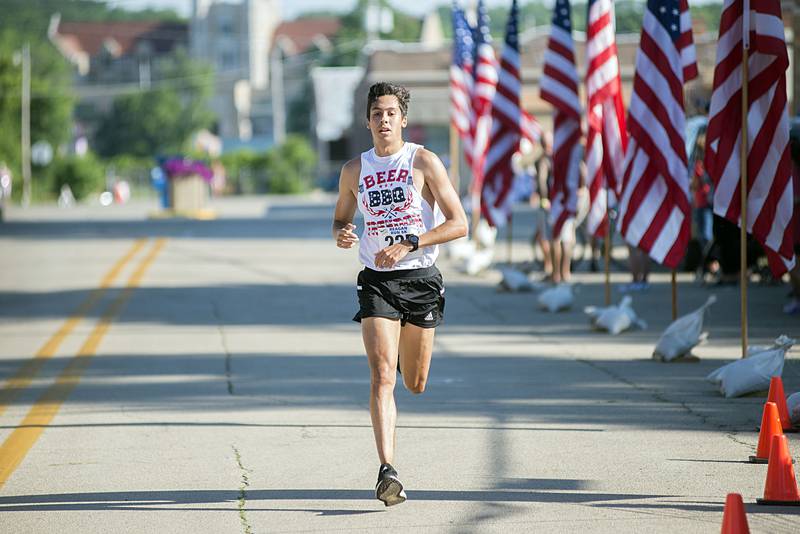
(540, 201)
(793, 306)
(409, 207)
(702, 197)
(639, 265)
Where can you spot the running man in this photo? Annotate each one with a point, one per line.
(409, 207)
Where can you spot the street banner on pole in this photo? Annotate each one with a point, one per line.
(607, 137)
(510, 123)
(655, 206)
(769, 191)
(559, 86)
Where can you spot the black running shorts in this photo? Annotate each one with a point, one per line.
(415, 296)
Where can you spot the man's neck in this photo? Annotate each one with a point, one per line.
(389, 148)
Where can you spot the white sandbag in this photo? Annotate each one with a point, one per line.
(615, 319)
(514, 280)
(752, 373)
(460, 249)
(595, 311)
(485, 235)
(683, 334)
(554, 299)
(793, 403)
(478, 262)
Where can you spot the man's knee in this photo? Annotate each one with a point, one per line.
(383, 376)
(415, 386)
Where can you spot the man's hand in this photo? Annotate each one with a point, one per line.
(346, 238)
(389, 256)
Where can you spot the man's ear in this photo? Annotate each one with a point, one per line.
(405, 122)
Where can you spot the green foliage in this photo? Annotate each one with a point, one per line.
(352, 36)
(83, 174)
(291, 166)
(51, 97)
(243, 169)
(708, 14)
(285, 169)
(161, 120)
(33, 16)
(628, 16)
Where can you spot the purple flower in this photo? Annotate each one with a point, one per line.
(180, 168)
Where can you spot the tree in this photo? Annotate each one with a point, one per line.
(160, 120)
(352, 36)
(52, 101)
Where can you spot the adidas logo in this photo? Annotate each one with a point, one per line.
(429, 317)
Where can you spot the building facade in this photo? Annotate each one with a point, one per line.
(235, 39)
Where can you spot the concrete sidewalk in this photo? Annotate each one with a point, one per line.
(226, 391)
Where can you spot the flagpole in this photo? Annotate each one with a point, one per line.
(674, 294)
(743, 174)
(455, 178)
(607, 251)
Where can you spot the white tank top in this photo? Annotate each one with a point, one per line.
(393, 208)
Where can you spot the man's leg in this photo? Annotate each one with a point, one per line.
(555, 247)
(381, 337)
(566, 260)
(416, 347)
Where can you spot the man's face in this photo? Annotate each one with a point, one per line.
(386, 121)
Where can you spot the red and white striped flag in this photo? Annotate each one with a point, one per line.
(510, 123)
(655, 206)
(769, 180)
(461, 73)
(606, 139)
(484, 87)
(559, 86)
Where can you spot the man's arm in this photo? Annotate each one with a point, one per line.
(455, 224)
(346, 206)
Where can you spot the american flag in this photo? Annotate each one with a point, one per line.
(461, 73)
(655, 206)
(769, 180)
(510, 123)
(484, 87)
(559, 86)
(607, 139)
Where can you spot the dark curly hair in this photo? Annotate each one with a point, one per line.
(389, 89)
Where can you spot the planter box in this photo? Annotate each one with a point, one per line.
(188, 193)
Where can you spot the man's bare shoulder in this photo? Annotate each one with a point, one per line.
(352, 167)
(350, 173)
(429, 163)
(426, 158)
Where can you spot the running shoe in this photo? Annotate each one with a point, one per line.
(389, 489)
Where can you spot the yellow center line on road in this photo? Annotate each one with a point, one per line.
(17, 445)
(15, 385)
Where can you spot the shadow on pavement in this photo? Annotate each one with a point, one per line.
(152, 500)
(502, 389)
(280, 222)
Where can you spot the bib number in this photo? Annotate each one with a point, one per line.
(393, 240)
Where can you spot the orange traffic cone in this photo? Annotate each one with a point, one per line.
(777, 396)
(781, 486)
(734, 520)
(770, 426)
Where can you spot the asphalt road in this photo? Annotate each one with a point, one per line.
(204, 376)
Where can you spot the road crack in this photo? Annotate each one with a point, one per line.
(705, 420)
(242, 499)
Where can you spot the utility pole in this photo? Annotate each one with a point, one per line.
(26, 125)
(278, 98)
